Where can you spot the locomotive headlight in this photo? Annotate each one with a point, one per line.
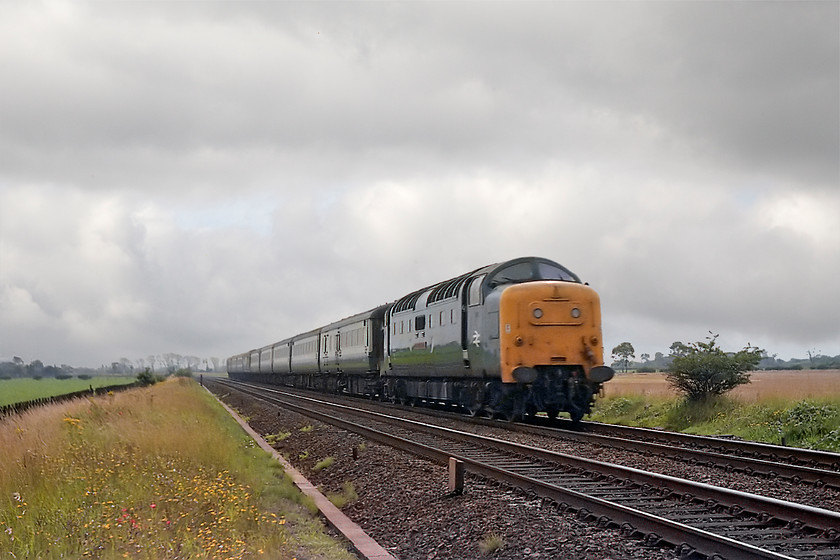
(538, 313)
(575, 312)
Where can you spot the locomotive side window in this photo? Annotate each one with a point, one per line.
(475, 290)
(420, 323)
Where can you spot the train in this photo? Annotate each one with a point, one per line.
(511, 339)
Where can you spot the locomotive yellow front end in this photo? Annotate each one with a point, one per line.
(550, 341)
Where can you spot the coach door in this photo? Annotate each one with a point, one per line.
(338, 351)
(326, 363)
(470, 320)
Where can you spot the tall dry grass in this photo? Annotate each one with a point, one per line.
(800, 408)
(793, 385)
(160, 472)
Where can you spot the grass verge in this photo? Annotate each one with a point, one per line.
(159, 472)
(810, 423)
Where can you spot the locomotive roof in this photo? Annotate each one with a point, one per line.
(437, 292)
(451, 287)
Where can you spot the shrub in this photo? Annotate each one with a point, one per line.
(810, 423)
(703, 369)
(146, 377)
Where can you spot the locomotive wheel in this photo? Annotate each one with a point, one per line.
(552, 411)
(505, 403)
(579, 405)
(473, 399)
(402, 393)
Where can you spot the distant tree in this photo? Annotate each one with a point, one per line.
(126, 365)
(645, 357)
(622, 354)
(193, 362)
(10, 370)
(813, 354)
(35, 369)
(678, 349)
(171, 361)
(704, 369)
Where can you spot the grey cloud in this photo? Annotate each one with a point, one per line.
(208, 175)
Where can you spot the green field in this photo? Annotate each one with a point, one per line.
(28, 389)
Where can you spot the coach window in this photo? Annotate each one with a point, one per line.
(420, 323)
(475, 290)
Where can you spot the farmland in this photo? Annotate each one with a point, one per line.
(799, 408)
(27, 389)
(764, 385)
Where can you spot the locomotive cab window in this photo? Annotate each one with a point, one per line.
(548, 271)
(521, 272)
(531, 270)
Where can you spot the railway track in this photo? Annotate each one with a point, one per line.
(820, 468)
(698, 518)
(822, 460)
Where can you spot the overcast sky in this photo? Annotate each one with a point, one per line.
(204, 178)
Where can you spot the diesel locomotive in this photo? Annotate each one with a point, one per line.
(509, 339)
